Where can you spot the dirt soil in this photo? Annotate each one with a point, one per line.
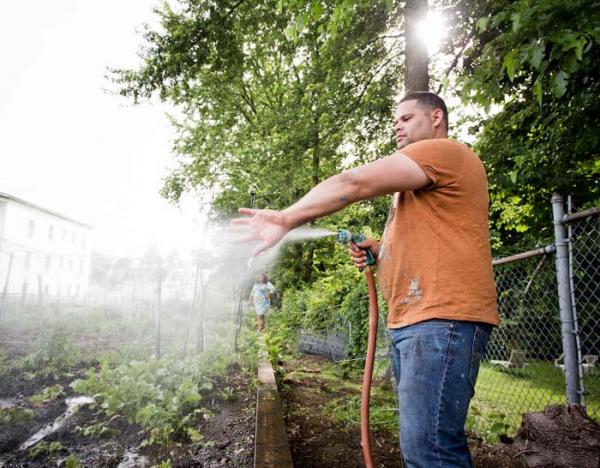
(228, 434)
(317, 441)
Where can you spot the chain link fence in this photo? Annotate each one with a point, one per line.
(585, 289)
(525, 364)
(148, 308)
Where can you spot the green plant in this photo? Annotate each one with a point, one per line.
(227, 394)
(488, 425)
(163, 395)
(5, 364)
(48, 394)
(53, 355)
(99, 429)
(15, 415)
(73, 462)
(48, 449)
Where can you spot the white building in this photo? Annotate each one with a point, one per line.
(50, 252)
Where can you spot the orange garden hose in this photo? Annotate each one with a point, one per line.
(365, 436)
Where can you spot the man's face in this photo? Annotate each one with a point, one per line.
(413, 122)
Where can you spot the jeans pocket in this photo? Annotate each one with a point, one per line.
(480, 340)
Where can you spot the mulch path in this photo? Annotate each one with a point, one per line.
(317, 441)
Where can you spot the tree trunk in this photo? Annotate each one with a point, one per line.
(416, 61)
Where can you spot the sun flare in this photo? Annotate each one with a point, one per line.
(431, 30)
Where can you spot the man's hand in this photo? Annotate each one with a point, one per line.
(358, 252)
(268, 226)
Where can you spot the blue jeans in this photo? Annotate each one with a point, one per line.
(436, 364)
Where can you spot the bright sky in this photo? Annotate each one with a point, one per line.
(68, 145)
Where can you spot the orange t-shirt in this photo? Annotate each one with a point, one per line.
(435, 260)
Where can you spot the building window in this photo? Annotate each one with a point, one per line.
(27, 259)
(70, 264)
(64, 234)
(74, 238)
(62, 262)
(47, 262)
(80, 266)
(31, 228)
(50, 232)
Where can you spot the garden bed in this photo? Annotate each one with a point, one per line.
(112, 430)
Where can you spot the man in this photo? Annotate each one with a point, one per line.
(434, 269)
(260, 296)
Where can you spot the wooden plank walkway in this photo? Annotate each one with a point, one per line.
(271, 443)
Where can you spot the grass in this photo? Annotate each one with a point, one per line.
(502, 396)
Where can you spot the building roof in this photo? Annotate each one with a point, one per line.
(7, 196)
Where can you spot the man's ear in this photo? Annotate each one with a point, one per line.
(437, 117)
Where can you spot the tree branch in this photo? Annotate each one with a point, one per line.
(456, 58)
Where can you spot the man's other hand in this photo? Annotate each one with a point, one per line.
(266, 226)
(358, 252)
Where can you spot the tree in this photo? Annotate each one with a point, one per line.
(539, 61)
(275, 95)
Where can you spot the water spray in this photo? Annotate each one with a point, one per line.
(345, 237)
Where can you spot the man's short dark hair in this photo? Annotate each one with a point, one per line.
(430, 100)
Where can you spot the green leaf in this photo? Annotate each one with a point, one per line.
(291, 33)
(300, 23)
(536, 55)
(570, 41)
(516, 22)
(559, 83)
(510, 64)
(571, 63)
(537, 90)
(317, 10)
(579, 48)
(482, 23)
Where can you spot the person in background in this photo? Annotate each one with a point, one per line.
(260, 296)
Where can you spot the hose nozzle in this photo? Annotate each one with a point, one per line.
(344, 236)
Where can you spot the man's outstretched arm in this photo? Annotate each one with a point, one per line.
(395, 173)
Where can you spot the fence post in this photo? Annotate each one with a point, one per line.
(5, 290)
(158, 307)
(40, 301)
(564, 302)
